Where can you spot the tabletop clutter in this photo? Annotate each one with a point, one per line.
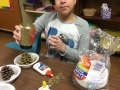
(92, 69)
(9, 73)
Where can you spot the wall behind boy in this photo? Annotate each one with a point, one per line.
(8, 19)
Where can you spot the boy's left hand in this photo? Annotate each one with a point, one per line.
(56, 43)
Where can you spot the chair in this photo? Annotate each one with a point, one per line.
(35, 47)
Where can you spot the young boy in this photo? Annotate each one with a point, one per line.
(64, 30)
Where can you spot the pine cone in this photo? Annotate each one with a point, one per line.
(6, 72)
(26, 59)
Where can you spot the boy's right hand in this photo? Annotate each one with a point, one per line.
(16, 34)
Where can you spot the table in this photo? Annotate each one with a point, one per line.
(30, 79)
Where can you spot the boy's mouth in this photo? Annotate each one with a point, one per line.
(63, 7)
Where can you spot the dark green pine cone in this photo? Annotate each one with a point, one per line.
(6, 72)
(26, 59)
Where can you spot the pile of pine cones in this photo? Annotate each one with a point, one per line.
(6, 72)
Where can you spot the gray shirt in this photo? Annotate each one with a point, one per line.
(72, 34)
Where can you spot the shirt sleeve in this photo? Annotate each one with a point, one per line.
(40, 23)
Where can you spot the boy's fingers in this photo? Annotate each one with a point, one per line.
(17, 27)
(16, 34)
(16, 37)
(17, 41)
(55, 37)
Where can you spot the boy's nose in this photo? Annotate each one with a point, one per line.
(63, 1)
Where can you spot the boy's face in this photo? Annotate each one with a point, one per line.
(64, 7)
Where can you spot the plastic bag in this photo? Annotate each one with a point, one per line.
(92, 70)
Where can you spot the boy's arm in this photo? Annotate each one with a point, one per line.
(73, 54)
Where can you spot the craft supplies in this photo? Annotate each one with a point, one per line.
(43, 69)
(55, 80)
(27, 31)
(44, 86)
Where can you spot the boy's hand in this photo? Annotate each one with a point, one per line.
(56, 43)
(16, 34)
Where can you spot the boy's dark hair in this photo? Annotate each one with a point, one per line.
(52, 2)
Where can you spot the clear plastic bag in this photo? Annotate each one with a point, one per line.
(92, 70)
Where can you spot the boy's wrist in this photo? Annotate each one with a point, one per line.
(63, 49)
(64, 53)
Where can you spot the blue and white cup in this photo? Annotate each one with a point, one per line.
(106, 13)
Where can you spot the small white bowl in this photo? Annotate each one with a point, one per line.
(17, 59)
(6, 86)
(17, 71)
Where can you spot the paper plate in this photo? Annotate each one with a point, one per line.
(17, 71)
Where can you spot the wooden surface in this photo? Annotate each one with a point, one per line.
(30, 79)
(7, 55)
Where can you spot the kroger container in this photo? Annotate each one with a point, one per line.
(93, 68)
